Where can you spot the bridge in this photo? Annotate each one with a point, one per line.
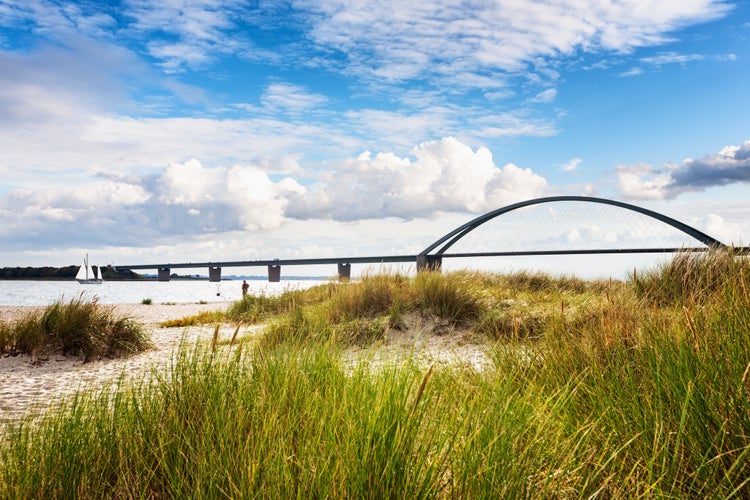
(431, 257)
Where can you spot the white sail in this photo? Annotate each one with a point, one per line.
(86, 274)
(81, 274)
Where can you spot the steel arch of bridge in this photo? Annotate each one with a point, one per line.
(428, 260)
(452, 237)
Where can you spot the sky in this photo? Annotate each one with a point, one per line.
(152, 131)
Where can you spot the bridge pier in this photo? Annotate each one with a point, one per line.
(345, 270)
(163, 274)
(429, 263)
(214, 274)
(274, 273)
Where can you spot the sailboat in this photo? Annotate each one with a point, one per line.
(86, 274)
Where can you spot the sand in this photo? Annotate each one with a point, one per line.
(27, 386)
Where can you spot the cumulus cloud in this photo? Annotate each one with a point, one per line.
(245, 193)
(189, 198)
(728, 166)
(642, 182)
(445, 175)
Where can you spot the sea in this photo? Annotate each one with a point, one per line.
(43, 292)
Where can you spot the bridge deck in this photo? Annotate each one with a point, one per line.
(278, 262)
(386, 259)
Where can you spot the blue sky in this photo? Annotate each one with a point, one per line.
(165, 130)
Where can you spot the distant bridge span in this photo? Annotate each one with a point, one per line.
(432, 256)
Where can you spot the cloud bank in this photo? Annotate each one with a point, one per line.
(644, 182)
(191, 199)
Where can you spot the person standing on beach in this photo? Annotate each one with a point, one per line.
(245, 286)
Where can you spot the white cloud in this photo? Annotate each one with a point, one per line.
(72, 214)
(247, 194)
(642, 182)
(89, 196)
(50, 17)
(446, 175)
(457, 36)
(631, 72)
(545, 96)
(672, 58)
(291, 97)
(191, 185)
(514, 125)
(197, 31)
(726, 231)
(460, 42)
(261, 203)
(572, 165)
(728, 166)
(664, 58)
(189, 199)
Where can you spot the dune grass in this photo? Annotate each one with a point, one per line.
(78, 327)
(617, 394)
(520, 305)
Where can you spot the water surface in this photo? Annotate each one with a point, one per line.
(41, 293)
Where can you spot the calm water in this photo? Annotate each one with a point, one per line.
(41, 293)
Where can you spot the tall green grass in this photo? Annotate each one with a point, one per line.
(494, 307)
(617, 396)
(79, 327)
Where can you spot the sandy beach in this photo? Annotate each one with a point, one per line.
(25, 385)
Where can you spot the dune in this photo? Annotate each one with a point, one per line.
(26, 385)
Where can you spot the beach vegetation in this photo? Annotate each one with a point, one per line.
(632, 389)
(79, 327)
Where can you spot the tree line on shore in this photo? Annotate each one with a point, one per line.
(61, 273)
